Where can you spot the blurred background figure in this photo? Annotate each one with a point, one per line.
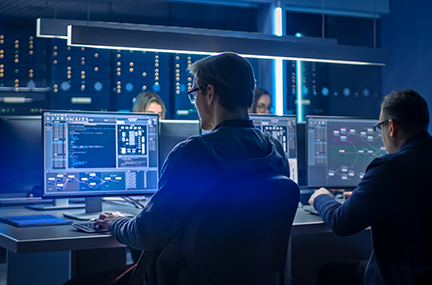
(149, 102)
(262, 102)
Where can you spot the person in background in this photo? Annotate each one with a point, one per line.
(262, 102)
(393, 198)
(149, 102)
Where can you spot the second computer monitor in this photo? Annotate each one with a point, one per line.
(284, 129)
(173, 132)
(339, 149)
(21, 160)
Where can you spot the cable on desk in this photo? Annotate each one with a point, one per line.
(134, 202)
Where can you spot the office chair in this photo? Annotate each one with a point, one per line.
(239, 234)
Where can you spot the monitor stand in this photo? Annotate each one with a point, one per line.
(93, 207)
(58, 204)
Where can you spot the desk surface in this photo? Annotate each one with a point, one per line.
(54, 238)
(66, 237)
(306, 223)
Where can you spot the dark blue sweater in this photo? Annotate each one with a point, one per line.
(190, 171)
(394, 199)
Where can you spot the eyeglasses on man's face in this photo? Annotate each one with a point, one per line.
(263, 107)
(378, 129)
(192, 95)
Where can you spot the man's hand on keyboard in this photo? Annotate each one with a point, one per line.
(105, 219)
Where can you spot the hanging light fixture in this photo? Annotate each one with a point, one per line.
(142, 37)
(209, 42)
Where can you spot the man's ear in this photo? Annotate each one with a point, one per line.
(393, 128)
(210, 94)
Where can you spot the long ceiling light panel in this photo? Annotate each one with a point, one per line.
(187, 41)
(207, 42)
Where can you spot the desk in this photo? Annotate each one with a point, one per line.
(53, 254)
(33, 253)
(314, 244)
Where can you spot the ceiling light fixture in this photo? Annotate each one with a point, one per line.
(210, 42)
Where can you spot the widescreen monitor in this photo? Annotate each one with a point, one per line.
(339, 149)
(99, 154)
(173, 132)
(284, 129)
(21, 160)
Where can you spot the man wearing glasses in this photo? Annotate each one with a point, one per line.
(393, 198)
(222, 92)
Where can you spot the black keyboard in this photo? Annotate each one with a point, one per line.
(89, 227)
(312, 211)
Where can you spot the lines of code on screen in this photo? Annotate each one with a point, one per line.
(92, 146)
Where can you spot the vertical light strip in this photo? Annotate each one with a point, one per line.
(299, 87)
(278, 22)
(278, 70)
(278, 76)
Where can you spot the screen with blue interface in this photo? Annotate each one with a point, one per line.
(284, 129)
(99, 154)
(339, 149)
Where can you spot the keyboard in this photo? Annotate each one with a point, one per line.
(88, 227)
(312, 211)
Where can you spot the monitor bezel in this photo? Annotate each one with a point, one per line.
(35, 192)
(102, 194)
(312, 186)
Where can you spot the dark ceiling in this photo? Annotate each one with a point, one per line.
(23, 13)
(100, 10)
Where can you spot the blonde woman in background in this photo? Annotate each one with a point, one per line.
(149, 102)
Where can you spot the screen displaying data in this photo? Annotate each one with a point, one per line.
(339, 149)
(98, 153)
(284, 129)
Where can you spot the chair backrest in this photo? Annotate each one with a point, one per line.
(241, 232)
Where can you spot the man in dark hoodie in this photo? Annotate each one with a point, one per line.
(222, 91)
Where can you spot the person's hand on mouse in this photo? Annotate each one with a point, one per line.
(105, 219)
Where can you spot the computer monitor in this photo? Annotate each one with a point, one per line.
(99, 154)
(174, 131)
(339, 149)
(20, 158)
(283, 128)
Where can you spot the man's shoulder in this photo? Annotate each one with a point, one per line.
(188, 144)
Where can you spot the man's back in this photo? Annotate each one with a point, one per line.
(393, 199)
(190, 172)
(401, 235)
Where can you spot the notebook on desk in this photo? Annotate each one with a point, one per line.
(34, 220)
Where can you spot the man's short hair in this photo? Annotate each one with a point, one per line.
(407, 108)
(231, 75)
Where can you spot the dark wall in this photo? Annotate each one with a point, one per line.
(336, 89)
(407, 34)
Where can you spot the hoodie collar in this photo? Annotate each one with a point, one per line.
(239, 123)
